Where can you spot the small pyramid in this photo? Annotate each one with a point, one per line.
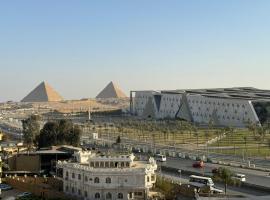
(42, 93)
(111, 91)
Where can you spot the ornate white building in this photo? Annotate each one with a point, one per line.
(236, 107)
(107, 177)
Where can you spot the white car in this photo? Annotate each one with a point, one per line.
(240, 177)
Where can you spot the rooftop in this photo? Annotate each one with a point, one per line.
(248, 93)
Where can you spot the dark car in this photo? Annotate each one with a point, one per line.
(5, 187)
(198, 164)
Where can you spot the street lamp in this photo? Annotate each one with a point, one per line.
(180, 173)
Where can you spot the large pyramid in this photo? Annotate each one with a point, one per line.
(42, 93)
(111, 91)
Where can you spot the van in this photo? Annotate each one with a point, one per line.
(240, 177)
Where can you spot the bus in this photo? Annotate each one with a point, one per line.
(202, 180)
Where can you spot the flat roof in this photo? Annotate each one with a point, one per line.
(248, 93)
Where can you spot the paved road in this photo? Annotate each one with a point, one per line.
(230, 190)
(253, 176)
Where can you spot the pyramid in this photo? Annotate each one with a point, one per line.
(42, 93)
(111, 91)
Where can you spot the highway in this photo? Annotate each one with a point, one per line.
(252, 176)
(230, 190)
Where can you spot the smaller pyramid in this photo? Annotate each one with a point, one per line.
(42, 93)
(111, 91)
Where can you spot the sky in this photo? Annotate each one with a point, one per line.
(80, 46)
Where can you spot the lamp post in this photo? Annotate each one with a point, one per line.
(180, 173)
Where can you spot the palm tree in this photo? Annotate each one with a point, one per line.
(225, 175)
(245, 140)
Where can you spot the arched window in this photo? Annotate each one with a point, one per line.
(148, 179)
(120, 196)
(97, 196)
(108, 180)
(108, 196)
(96, 180)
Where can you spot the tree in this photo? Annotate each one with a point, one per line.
(245, 140)
(31, 127)
(118, 140)
(59, 133)
(225, 175)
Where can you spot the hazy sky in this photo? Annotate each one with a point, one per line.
(79, 46)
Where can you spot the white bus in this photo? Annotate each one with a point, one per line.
(202, 180)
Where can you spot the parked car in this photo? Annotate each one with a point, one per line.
(198, 164)
(24, 194)
(5, 187)
(136, 151)
(215, 170)
(161, 158)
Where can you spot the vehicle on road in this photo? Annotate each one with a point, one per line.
(161, 158)
(198, 164)
(5, 187)
(202, 180)
(24, 194)
(136, 151)
(239, 177)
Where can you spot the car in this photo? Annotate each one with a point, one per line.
(161, 158)
(239, 177)
(136, 151)
(215, 171)
(198, 164)
(24, 194)
(5, 187)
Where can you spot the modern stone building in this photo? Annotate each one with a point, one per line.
(107, 177)
(235, 107)
(1, 136)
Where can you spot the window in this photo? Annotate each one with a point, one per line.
(138, 193)
(97, 196)
(79, 192)
(66, 188)
(79, 177)
(72, 190)
(66, 174)
(85, 178)
(120, 196)
(85, 194)
(108, 180)
(108, 196)
(73, 175)
(96, 180)
(148, 179)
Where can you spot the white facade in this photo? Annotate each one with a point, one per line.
(108, 177)
(198, 108)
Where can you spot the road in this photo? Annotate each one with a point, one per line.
(230, 190)
(252, 176)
